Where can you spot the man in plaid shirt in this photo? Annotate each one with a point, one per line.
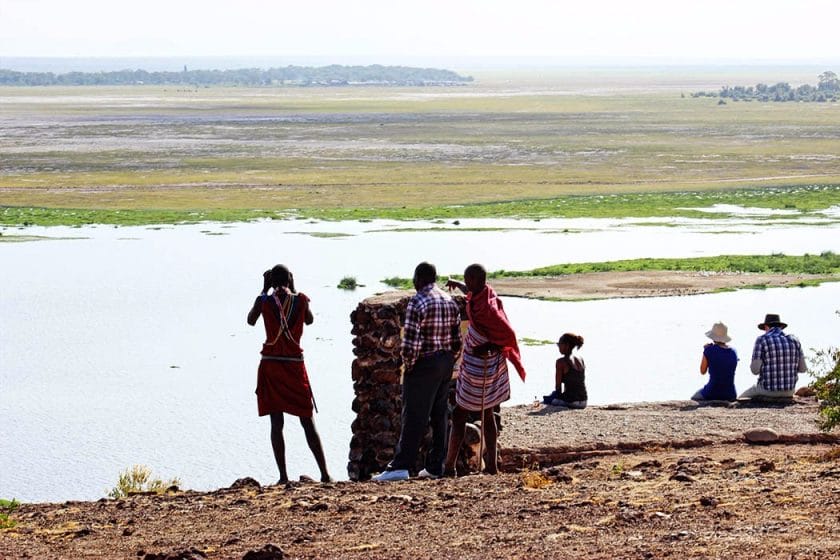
(777, 360)
(431, 340)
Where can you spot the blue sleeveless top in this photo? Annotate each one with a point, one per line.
(722, 363)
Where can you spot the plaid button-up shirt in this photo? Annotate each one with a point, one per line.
(432, 324)
(780, 355)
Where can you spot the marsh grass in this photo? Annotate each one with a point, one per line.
(807, 200)
(349, 283)
(138, 478)
(323, 234)
(535, 342)
(398, 283)
(826, 263)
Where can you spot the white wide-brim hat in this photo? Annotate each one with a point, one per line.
(719, 333)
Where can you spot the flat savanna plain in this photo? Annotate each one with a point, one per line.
(498, 147)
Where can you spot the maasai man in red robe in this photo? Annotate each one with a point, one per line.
(282, 382)
(483, 381)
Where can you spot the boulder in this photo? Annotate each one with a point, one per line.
(268, 552)
(761, 436)
(246, 482)
(806, 392)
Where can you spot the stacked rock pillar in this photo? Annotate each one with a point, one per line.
(377, 323)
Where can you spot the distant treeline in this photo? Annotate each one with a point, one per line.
(827, 89)
(334, 75)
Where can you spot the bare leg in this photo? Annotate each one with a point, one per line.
(488, 424)
(456, 439)
(314, 442)
(279, 445)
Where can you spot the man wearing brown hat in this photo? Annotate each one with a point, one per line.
(777, 360)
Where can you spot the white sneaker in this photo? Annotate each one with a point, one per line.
(426, 474)
(390, 476)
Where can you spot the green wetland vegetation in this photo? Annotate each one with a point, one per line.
(807, 200)
(826, 264)
(514, 145)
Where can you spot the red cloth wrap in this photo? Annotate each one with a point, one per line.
(487, 315)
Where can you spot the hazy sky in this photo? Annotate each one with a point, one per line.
(700, 31)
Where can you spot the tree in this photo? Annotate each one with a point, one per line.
(829, 81)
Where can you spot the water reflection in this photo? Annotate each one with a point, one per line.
(129, 345)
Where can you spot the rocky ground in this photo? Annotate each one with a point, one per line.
(670, 480)
(647, 283)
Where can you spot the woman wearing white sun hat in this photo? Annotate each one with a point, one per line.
(720, 361)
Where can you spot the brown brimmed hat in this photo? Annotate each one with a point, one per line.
(772, 320)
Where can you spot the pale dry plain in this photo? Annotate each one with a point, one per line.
(518, 139)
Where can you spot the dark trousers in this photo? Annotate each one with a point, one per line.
(425, 401)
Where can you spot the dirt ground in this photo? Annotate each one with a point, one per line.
(721, 498)
(651, 283)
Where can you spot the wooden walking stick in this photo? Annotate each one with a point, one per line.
(481, 433)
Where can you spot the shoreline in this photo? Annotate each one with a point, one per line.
(635, 493)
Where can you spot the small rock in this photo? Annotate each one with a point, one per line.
(400, 498)
(767, 466)
(682, 476)
(82, 532)
(319, 506)
(632, 475)
(761, 435)
(661, 515)
(557, 474)
(708, 501)
(693, 460)
(268, 552)
(191, 554)
(630, 515)
(306, 479)
(246, 482)
(805, 392)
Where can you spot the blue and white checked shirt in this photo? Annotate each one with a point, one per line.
(432, 323)
(780, 358)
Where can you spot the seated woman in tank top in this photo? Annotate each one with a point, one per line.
(569, 375)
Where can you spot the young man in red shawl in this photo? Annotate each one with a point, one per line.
(483, 381)
(282, 382)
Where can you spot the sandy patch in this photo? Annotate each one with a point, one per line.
(652, 283)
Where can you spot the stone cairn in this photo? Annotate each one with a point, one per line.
(377, 323)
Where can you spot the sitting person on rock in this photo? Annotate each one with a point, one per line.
(569, 375)
(719, 360)
(777, 360)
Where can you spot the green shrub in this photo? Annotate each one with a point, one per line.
(348, 283)
(7, 508)
(827, 386)
(399, 283)
(139, 479)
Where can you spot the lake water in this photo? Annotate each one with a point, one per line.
(123, 346)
